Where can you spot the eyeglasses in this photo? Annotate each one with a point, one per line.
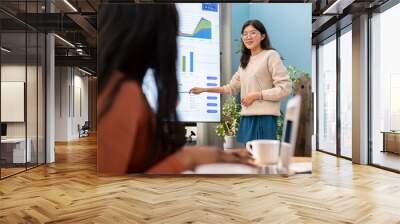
(250, 34)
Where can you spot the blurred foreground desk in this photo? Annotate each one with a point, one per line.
(298, 165)
(391, 141)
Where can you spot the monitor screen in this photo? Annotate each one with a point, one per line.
(3, 129)
(198, 61)
(198, 64)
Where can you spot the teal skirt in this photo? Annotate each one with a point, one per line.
(257, 127)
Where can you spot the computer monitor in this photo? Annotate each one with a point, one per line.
(3, 129)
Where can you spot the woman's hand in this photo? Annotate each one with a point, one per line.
(195, 156)
(250, 98)
(197, 90)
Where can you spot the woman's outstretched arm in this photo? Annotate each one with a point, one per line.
(198, 90)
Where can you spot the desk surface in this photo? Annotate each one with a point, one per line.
(298, 165)
(391, 132)
(13, 140)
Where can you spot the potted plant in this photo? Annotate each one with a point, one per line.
(294, 75)
(229, 125)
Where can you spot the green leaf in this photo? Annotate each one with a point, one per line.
(230, 119)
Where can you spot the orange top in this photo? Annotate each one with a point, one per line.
(125, 133)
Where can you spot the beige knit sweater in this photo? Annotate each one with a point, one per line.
(265, 73)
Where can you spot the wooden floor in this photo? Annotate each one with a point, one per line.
(386, 159)
(70, 191)
(10, 171)
(5, 172)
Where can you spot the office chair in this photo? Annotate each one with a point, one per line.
(84, 130)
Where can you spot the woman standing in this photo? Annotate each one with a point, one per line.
(263, 82)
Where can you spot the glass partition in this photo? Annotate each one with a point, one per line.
(346, 93)
(385, 89)
(327, 96)
(14, 144)
(22, 63)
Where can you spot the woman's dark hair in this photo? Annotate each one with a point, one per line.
(132, 39)
(265, 43)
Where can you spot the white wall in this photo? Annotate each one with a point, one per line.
(71, 94)
(9, 73)
(62, 82)
(13, 73)
(16, 73)
(80, 100)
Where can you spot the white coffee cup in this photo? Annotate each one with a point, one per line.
(265, 152)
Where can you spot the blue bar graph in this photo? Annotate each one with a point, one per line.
(212, 84)
(212, 104)
(191, 61)
(212, 78)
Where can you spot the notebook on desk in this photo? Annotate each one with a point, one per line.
(298, 168)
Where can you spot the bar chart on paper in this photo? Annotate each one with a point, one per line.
(198, 62)
(187, 63)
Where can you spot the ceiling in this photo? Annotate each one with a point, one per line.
(76, 22)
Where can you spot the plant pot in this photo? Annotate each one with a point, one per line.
(229, 142)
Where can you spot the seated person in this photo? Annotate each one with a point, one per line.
(131, 137)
